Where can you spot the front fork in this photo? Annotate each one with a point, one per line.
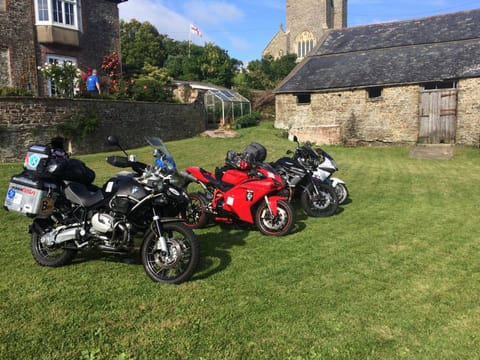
(162, 241)
(272, 206)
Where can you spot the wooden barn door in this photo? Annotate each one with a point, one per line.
(438, 116)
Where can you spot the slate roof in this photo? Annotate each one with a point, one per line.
(445, 47)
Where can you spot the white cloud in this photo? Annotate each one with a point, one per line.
(212, 12)
(166, 20)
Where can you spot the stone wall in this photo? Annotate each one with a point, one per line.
(21, 53)
(16, 45)
(345, 116)
(24, 121)
(468, 112)
(337, 117)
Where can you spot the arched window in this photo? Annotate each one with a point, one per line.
(305, 43)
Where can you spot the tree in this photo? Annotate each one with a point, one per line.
(141, 44)
(267, 73)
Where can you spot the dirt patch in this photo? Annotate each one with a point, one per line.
(433, 152)
(220, 133)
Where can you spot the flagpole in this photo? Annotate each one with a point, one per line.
(189, 39)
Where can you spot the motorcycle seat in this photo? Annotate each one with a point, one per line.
(82, 195)
(224, 186)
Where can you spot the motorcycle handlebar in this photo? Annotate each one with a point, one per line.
(118, 161)
(123, 162)
(187, 176)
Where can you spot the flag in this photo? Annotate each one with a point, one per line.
(195, 30)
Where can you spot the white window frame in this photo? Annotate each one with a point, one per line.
(62, 20)
(58, 59)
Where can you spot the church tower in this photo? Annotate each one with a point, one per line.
(307, 22)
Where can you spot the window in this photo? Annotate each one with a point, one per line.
(42, 10)
(58, 60)
(3, 6)
(374, 92)
(440, 85)
(305, 43)
(304, 99)
(58, 12)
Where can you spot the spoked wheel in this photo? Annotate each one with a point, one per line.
(342, 192)
(321, 204)
(278, 225)
(53, 256)
(180, 263)
(195, 215)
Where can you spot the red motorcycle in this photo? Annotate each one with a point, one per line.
(243, 191)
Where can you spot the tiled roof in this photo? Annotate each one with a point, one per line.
(437, 48)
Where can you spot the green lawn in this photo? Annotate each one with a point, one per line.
(394, 275)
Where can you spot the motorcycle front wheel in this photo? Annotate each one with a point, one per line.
(278, 225)
(342, 192)
(321, 204)
(183, 254)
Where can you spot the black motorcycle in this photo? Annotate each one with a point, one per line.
(71, 214)
(317, 197)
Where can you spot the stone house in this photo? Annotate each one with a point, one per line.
(36, 32)
(414, 81)
(307, 23)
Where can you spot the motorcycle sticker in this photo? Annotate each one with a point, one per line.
(33, 160)
(249, 196)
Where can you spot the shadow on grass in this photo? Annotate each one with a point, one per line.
(215, 249)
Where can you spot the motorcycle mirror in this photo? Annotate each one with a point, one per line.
(295, 138)
(113, 141)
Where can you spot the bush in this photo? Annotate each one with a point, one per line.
(246, 120)
(149, 90)
(13, 91)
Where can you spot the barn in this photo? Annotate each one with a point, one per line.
(405, 82)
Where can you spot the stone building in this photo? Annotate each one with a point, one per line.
(307, 23)
(36, 32)
(414, 81)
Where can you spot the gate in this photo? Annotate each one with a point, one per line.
(438, 116)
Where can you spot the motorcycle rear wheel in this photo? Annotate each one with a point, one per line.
(278, 225)
(53, 256)
(323, 204)
(195, 215)
(182, 262)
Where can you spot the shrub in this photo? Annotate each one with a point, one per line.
(246, 120)
(14, 91)
(149, 90)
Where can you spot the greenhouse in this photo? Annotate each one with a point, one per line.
(224, 106)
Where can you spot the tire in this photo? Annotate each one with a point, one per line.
(279, 225)
(184, 248)
(323, 204)
(54, 256)
(342, 193)
(195, 215)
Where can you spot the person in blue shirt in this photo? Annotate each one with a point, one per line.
(93, 84)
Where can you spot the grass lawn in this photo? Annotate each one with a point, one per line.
(394, 275)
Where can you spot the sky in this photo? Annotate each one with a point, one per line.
(245, 27)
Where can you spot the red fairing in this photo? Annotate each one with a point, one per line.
(200, 174)
(234, 193)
